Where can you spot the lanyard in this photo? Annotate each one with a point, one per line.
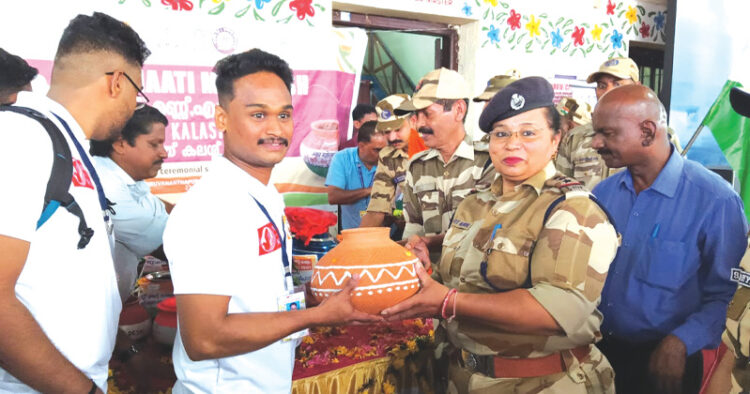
(103, 203)
(362, 180)
(284, 257)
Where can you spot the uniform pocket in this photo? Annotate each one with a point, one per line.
(507, 266)
(429, 200)
(451, 260)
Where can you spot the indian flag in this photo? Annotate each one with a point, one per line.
(732, 132)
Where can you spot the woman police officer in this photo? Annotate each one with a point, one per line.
(522, 265)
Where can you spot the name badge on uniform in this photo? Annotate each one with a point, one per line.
(399, 178)
(293, 302)
(741, 277)
(461, 224)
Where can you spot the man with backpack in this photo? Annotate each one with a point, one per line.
(59, 303)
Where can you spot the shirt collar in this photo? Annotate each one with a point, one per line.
(239, 178)
(668, 179)
(38, 101)
(536, 181)
(464, 150)
(115, 169)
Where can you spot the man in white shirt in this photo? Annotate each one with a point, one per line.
(229, 246)
(140, 217)
(59, 304)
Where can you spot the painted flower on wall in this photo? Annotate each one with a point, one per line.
(514, 20)
(631, 15)
(645, 30)
(616, 39)
(533, 26)
(659, 20)
(611, 8)
(578, 35)
(303, 8)
(466, 9)
(260, 3)
(493, 2)
(596, 33)
(493, 34)
(179, 5)
(556, 38)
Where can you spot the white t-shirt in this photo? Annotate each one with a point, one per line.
(139, 220)
(71, 292)
(219, 242)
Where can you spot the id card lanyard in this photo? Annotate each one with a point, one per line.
(289, 285)
(362, 180)
(103, 203)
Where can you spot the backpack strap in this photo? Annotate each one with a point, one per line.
(58, 186)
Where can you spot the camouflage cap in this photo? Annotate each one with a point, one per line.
(387, 119)
(620, 67)
(518, 97)
(436, 85)
(570, 108)
(740, 100)
(496, 83)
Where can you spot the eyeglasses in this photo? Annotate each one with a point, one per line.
(528, 135)
(140, 100)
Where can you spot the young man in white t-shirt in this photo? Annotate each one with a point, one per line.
(59, 304)
(229, 244)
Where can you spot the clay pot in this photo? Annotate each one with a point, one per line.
(386, 269)
(165, 324)
(135, 321)
(319, 145)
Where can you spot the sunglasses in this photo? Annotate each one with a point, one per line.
(141, 100)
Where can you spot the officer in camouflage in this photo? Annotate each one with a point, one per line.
(522, 265)
(732, 375)
(391, 173)
(576, 158)
(573, 114)
(438, 179)
(495, 84)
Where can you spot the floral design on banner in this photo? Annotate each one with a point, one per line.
(611, 29)
(466, 9)
(309, 11)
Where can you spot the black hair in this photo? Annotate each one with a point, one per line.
(15, 73)
(553, 118)
(139, 124)
(448, 105)
(236, 66)
(367, 131)
(361, 110)
(101, 32)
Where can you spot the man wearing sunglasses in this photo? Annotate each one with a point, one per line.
(59, 303)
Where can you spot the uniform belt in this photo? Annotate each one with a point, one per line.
(501, 367)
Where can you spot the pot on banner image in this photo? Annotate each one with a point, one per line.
(387, 270)
(319, 145)
(306, 257)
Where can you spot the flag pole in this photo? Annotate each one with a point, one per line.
(692, 140)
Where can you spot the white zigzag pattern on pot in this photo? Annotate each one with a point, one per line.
(407, 266)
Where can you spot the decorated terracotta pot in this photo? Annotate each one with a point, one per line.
(319, 145)
(386, 269)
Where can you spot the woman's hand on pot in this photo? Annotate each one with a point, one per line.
(426, 303)
(418, 245)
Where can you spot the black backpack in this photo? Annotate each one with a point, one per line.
(58, 186)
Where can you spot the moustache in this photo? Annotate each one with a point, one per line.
(395, 142)
(283, 141)
(426, 130)
(158, 162)
(604, 152)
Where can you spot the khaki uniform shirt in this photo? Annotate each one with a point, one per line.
(434, 188)
(737, 333)
(568, 258)
(577, 159)
(389, 179)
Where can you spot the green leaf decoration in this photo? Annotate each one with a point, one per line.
(528, 44)
(544, 30)
(493, 15)
(309, 23)
(586, 25)
(544, 15)
(590, 48)
(485, 28)
(200, 4)
(559, 21)
(217, 10)
(641, 10)
(656, 37)
(285, 20)
(605, 24)
(601, 47)
(624, 23)
(545, 44)
(500, 15)
(566, 48)
(568, 23)
(525, 18)
(538, 41)
(121, 1)
(652, 13)
(505, 5)
(486, 12)
(513, 47)
(573, 52)
(497, 45)
(553, 51)
(257, 16)
(513, 37)
(147, 3)
(611, 55)
(611, 22)
(624, 46)
(242, 12)
(477, 2)
(519, 40)
(320, 7)
(606, 37)
(484, 43)
(619, 6)
(505, 33)
(619, 14)
(567, 31)
(277, 7)
(551, 26)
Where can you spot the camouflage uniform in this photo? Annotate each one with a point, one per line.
(563, 262)
(389, 180)
(434, 188)
(577, 159)
(737, 333)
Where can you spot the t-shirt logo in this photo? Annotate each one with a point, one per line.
(81, 177)
(268, 239)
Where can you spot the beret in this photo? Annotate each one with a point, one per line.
(518, 97)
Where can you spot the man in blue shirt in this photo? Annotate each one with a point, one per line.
(683, 229)
(351, 173)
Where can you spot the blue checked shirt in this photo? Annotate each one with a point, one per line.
(680, 239)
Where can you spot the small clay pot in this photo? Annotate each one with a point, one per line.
(135, 321)
(165, 323)
(386, 269)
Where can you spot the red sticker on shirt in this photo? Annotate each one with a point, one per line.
(268, 239)
(81, 177)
